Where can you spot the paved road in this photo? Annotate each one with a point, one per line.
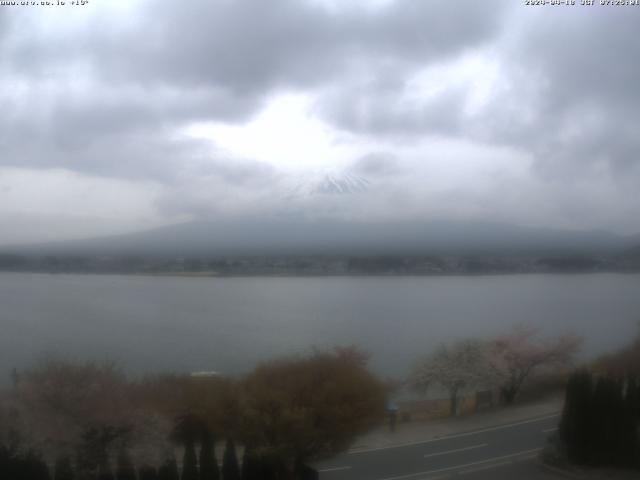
(507, 451)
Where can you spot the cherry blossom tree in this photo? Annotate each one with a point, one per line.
(516, 356)
(455, 367)
(63, 408)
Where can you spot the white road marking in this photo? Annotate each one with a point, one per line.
(465, 465)
(484, 467)
(456, 450)
(548, 430)
(334, 469)
(499, 464)
(458, 435)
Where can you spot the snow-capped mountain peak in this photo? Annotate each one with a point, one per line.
(341, 184)
(325, 183)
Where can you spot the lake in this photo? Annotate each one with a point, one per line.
(229, 324)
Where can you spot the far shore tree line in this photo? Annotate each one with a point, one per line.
(319, 264)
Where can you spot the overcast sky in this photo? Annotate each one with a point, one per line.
(123, 115)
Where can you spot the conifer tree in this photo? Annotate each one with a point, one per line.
(104, 471)
(208, 463)
(636, 403)
(230, 469)
(598, 434)
(575, 421)
(189, 462)
(5, 460)
(630, 440)
(250, 466)
(125, 469)
(34, 467)
(169, 469)
(607, 419)
(600, 421)
(12, 465)
(619, 420)
(63, 469)
(147, 472)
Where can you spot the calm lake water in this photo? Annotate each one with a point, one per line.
(229, 324)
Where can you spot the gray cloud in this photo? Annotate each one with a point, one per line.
(249, 47)
(376, 164)
(586, 104)
(570, 98)
(373, 110)
(172, 64)
(109, 96)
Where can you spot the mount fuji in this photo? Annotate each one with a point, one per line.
(326, 182)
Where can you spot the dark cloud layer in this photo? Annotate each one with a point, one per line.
(249, 47)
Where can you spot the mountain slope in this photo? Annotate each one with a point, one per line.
(253, 236)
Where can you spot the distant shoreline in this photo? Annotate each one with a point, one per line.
(502, 263)
(318, 275)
